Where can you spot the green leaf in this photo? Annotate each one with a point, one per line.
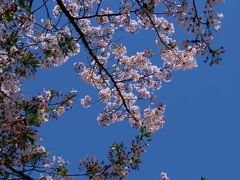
(70, 48)
(12, 38)
(21, 2)
(136, 137)
(203, 178)
(27, 8)
(142, 129)
(36, 62)
(8, 17)
(63, 171)
(68, 40)
(33, 118)
(147, 134)
(116, 146)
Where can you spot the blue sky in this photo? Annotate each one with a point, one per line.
(201, 134)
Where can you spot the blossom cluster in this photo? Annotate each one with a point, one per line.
(121, 159)
(122, 80)
(195, 23)
(19, 117)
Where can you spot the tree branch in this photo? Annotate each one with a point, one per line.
(101, 66)
(20, 173)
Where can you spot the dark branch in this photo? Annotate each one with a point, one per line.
(20, 173)
(101, 66)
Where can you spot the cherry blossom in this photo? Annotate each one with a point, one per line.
(164, 176)
(85, 102)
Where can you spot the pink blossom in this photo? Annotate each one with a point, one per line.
(164, 176)
(86, 101)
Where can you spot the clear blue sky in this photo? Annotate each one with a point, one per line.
(201, 136)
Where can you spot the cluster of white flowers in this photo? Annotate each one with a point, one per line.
(134, 76)
(43, 116)
(86, 101)
(164, 176)
(57, 47)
